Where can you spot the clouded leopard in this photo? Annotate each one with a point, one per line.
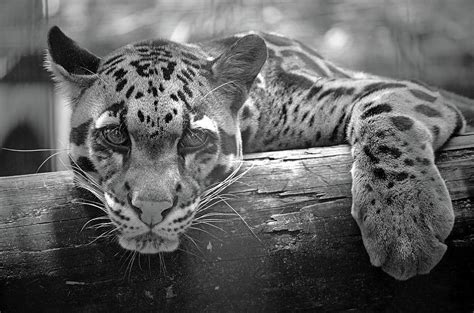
(156, 122)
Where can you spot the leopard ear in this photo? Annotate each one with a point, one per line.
(73, 67)
(236, 69)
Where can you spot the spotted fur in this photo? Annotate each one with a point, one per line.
(183, 114)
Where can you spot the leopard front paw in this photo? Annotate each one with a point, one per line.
(403, 217)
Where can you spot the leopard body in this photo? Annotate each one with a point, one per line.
(247, 93)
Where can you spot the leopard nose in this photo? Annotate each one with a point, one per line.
(151, 212)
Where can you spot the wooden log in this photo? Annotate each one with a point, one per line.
(304, 251)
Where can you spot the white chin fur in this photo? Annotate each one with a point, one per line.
(149, 247)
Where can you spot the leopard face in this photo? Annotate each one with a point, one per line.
(154, 123)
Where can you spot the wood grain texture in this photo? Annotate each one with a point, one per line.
(307, 254)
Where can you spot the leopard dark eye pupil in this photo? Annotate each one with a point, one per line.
(115, 136)
(193, 139)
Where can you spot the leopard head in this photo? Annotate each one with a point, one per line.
(153, 124)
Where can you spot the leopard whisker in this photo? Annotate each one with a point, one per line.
(211, 91)
(100, 218)
(123, 253)
(88, 201)
(193, 254)
(139, 262)
(205, 231)
(243, 220)
(220, 195)
(162, 264)
(47, 159)
(57, 152)
(97, 193)
(210, 205)
(33, 150)
(96, 75)
(124, 258)
(217, 220)
(101, 225)
(103, 235)
(194, 242)
(217, 187)
(130, 265)
(209, 214)
(210, 223)
(212, 192)
(100, 207)
(87, 177)
(82, 180)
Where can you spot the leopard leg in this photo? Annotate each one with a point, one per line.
(400, 201)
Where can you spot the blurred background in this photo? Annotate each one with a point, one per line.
(428, 40)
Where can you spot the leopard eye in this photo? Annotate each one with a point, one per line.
(193, 140)
(116, 136)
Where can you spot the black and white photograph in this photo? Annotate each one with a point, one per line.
(236, 156)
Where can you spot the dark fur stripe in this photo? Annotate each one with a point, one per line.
(190, 56)
(426, 110)
(183, 98)
(308, 62)
(110, 67)
(138, 95)
(313, 91)
(115, 108)
(112, 59)
(423, 95)
(371, 156)
(78, 134)
(335, 132)
(394, 152)
(129, 92)
(372, 88)
(401, 176)
(379, 173)
(85, 164)
(379, 109)
(402, 122)
(120, 85)
(337, 92)
(304, 116)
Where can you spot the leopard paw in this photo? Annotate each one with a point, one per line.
(404, 217)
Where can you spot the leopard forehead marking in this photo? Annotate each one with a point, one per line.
(158, 83)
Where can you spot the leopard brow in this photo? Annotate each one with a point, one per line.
(105, 119)
(204, 123)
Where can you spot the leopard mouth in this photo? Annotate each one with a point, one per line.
(148, 243)
(134, 235)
